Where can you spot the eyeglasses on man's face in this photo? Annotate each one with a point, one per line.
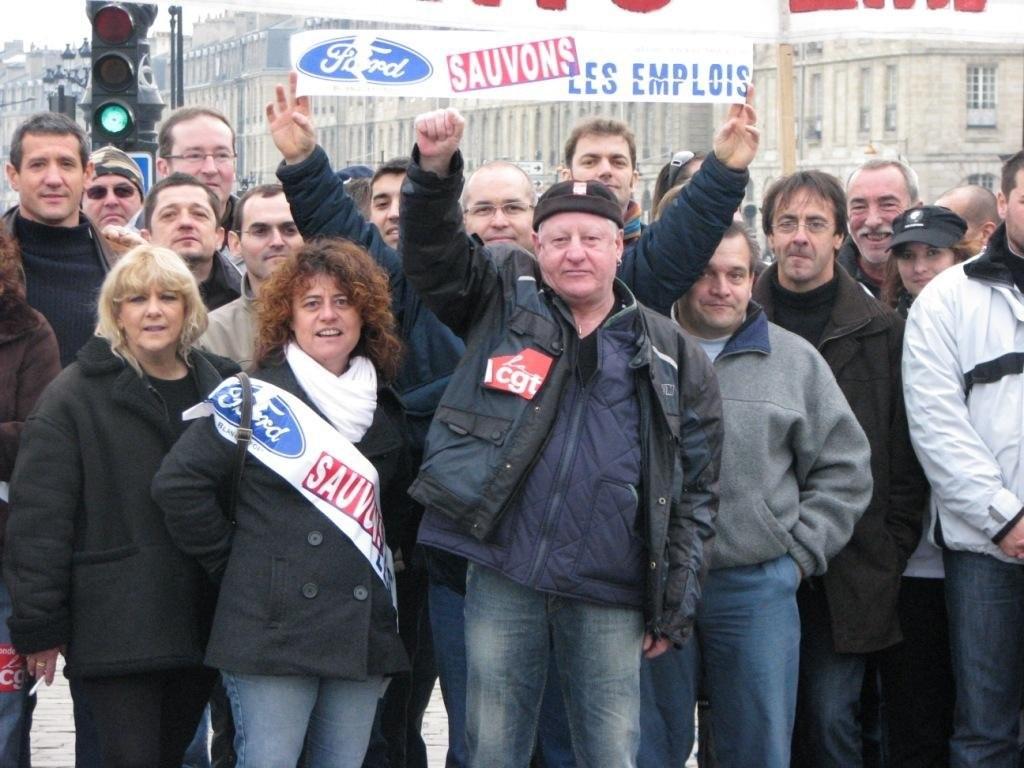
(487, 210)
(788, 226)
(220, 157)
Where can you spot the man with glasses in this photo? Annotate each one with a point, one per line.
(848, 615)
(113, 196)
(497, 204)
(263, 236)
(201, 142)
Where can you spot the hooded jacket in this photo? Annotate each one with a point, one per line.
(963, 372)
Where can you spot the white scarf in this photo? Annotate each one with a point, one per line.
(348, 401)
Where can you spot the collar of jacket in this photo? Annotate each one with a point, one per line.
(986, 267)
(131, 391)
(107, 256)
(624, 299)
(751, 336)
(248, 294)
(848, 257)
(16, 317)
(853, 308)
(382, 436)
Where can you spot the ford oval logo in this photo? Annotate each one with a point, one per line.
(273, 424)
(382, 62)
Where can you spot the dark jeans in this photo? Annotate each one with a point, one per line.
(395, 741)
(920, 693)
(985, 600)
(831, 727)
(148, 719)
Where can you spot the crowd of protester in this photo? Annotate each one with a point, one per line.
(273, 464)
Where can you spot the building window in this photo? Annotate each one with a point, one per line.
(815, 99)
(891, 89)
(981, 96)
(986, 180)
(864, 101)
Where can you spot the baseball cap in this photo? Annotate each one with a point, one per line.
(930, 224)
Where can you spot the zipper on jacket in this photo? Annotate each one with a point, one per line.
(564, 464)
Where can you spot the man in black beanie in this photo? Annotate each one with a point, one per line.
(556, 458)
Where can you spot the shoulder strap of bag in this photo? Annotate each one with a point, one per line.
(242, 439)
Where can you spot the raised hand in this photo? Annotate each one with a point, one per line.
(438, 134)
(737, 140)
(290, 125)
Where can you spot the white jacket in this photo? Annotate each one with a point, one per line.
(963, 358)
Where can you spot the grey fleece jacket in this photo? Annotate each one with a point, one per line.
(796, 472)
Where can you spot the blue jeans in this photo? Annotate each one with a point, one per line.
(985, 600)
(276, 714)
(449, 628)
(198, 753)
(747, 646)
(510, 631)
(15, 712)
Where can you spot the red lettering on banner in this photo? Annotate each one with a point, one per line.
(348, 492)
(805, 6)
(521, 374)
(634, 6)
(12, 669)
(513, 64)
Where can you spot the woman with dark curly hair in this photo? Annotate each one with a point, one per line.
(29, 360)
(305, 632)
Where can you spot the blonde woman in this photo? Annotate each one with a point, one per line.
(92, 571)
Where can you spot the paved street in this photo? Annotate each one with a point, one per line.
(53, 733)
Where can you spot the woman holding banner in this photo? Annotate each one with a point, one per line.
(305, 633)
(91, 568)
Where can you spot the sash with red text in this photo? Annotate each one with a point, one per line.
(293, 441)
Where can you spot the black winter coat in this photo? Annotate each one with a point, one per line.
(863, 345)
(296, 596)
(89, 561)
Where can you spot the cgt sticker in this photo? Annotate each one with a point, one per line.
(521, 374)
(12, 669)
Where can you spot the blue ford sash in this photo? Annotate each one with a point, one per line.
(293, 441)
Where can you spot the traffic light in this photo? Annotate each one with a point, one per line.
(122, 103)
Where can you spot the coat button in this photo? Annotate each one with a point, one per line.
(360, 592)
(315, 538)
(309, 590)
(654, 565)
(661, 500)
(495, 435)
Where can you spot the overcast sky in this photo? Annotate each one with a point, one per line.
(56, 22)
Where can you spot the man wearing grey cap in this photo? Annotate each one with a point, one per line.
(556, 460)
(113, 195)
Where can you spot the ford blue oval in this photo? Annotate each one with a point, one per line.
(382, 62)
